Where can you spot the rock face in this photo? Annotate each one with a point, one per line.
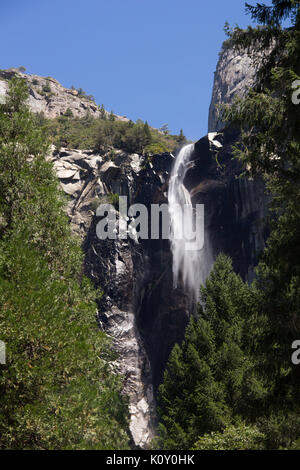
(48, 96)
(234, 75)
(122, 268)
(235, 208)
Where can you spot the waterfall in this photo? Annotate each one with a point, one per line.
(191, 265)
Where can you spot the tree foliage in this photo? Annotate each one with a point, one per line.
(270, 146)
(104, 133)
(212, 379)
(240, 437)
(57, 388)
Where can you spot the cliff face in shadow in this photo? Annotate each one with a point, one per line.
(235, 223)
(235, 207)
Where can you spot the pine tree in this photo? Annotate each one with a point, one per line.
(102, 112)
(239, 437)
(57, 389)
(270, 147)
(181, 137)
(147, 135)
(111, 116)
(211, 379)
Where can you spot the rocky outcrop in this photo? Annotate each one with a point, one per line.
(234, 75)
(48, 96)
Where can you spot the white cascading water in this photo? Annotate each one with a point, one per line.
(191, 265)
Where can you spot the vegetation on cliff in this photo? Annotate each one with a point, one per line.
(57, 387)
(105, 133)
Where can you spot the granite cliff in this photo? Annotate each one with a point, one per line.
(234, 75)
(48, 96)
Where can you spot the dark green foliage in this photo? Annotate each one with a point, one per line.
(147, 135)
(273, 15)
(57, 389)
(68, 113)
(102, 112)
(114, 200)
(239, 437)
(270, 147)
(281, 429)
(111, 116)
(82, 94)
(155, 149)
(136, 137)
(181, 138)
(46, 88)
(212, 379)
(104, 134)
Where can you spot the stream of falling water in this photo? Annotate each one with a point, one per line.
(192, 265)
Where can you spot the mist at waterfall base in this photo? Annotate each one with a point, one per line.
(192, 266)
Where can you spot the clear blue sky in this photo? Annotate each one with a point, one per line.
(148, 59)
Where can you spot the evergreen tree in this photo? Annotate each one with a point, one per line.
(147, 135)
(240, 437)
(211, 379)
(136, 137)
(102, 112)
(57, 388)
(181, 137)
(111, 116)
(270, 147)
